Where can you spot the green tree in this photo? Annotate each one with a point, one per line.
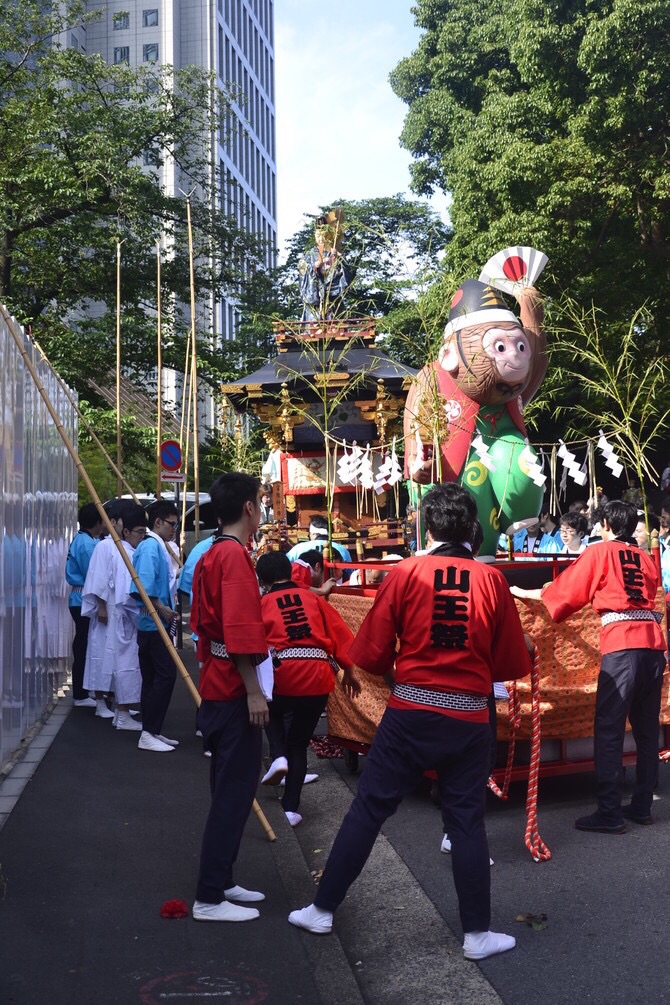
(548, 124)
(84, 146)
(394, 247)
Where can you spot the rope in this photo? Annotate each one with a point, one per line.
(514, 723)
(534, 842)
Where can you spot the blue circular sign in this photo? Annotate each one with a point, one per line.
(171, 455)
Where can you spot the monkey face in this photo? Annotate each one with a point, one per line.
(491, 363)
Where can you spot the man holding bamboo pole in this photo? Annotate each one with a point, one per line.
(226, 616)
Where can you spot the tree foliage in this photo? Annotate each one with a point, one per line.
(394, 247)
(547, 121)
(85, 147)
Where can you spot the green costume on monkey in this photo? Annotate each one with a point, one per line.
(463, 418)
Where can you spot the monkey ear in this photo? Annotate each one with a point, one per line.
(448, 355)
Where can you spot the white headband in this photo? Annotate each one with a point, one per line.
(319, 531)
(479, 318)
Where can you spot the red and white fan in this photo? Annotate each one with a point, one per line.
(513, 268)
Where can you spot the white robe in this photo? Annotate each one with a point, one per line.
(126, 677)
(99, 583)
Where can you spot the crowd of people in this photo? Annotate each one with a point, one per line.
(443, 629)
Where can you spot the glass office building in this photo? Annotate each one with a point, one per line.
(235, 40)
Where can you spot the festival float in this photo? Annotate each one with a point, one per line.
(332, 402)
(462, 421)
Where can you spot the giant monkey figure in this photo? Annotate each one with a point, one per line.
(463, 416)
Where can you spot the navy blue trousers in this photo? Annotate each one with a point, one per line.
(293, 719)
(407, 743)
(79, 644)
(236, 748)
(629, 687)
(159, 674)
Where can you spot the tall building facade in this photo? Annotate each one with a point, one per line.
(235, 40)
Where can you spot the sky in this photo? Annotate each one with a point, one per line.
(338, 121)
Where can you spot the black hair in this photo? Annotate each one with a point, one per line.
(159, 510)
(577, 521)
(621, 518)
(313, 557)
(652, 522)
(449, 513)
(319, 522)
(230, 492)
(577, 506)
(88, 516)
(113, 508)
(665, 503)
(477, 539)
(132, 515)
(273, 567)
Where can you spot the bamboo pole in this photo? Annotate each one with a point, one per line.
(118, 367)
(83, 474)
(182, 530)
(159, 368)
(194, 375)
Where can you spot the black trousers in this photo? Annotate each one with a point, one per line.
(493, 723)
(293, 719)
(79, 643)
(234, 768)
(159, 674)
(629, 687)
(407, 743)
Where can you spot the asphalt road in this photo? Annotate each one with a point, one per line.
(606, 897)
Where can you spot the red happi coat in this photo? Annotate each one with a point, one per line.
(611, 576)
(226, 608)
(294, 617)
(457, 626)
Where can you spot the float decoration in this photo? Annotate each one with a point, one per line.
(611, 459)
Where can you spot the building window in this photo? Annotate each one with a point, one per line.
(121, 21)
(150, 52)
(122, 54)
(150, 18)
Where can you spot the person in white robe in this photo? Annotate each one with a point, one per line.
(126, 676)
(97, 603)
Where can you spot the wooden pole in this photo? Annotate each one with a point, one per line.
(194, 376)
(83, 474)
(118, 368)
(159, 369)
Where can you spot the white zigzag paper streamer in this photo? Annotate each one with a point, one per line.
(533, 468)
(417, 463)
(482, 452)
(571, 465)
(383, 475)
(365, 473)
(611, 459)
(396, 469)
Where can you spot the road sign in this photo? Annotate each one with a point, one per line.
(170, 455)
(174, 476)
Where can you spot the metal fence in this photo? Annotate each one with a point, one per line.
(38, 515)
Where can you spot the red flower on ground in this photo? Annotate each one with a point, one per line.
(174, 909)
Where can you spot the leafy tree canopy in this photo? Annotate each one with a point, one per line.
(547, 121)
(85, 147)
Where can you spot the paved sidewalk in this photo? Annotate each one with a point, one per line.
(103, 834)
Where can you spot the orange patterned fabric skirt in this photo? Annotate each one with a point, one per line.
(569, 665)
